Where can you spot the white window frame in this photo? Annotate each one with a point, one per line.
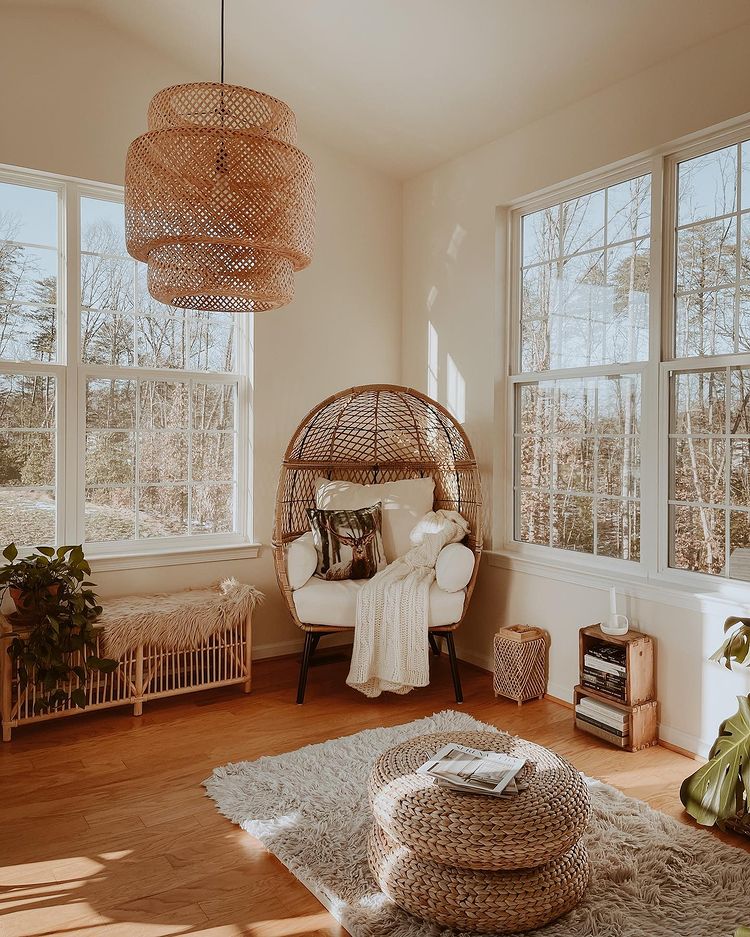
(70, 416)
(653, 567)
(516, 377)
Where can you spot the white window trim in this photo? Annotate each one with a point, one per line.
(652, 576)
(71, 375)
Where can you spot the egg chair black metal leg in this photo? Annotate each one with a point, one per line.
(433, 639)
(454, 666)
(311, 642)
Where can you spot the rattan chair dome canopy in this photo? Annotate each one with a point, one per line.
(219, 201)
(371, 434)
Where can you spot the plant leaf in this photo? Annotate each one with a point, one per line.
(10, 552)
(710, 795)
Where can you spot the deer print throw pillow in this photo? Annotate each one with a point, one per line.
(349, 543)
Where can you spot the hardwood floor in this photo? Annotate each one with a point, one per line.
(105, 829)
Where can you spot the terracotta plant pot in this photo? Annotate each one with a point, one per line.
(21, 598)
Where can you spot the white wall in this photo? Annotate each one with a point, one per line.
(75, 93)
(453, 278)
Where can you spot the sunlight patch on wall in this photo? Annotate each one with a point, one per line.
(433, 363)
(456, 390)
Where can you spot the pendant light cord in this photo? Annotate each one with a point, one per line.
(222, 41)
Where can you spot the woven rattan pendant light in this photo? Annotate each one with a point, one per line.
(219, 202)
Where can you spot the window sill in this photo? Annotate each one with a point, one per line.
(155, 559)
(721, 597)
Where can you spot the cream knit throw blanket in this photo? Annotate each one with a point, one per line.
(175, 620)
(390, 638)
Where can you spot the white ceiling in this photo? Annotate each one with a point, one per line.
(407, 84)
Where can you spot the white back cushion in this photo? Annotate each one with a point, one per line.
(301, 560)
(404, 503)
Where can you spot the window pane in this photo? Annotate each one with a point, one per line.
(110, 514)
(163, 457)
(213, 457)
(103, 226)
(712, 306)
(579, 449)
(110, 458)
(705, 323)
(27, 459)
(27, 516)
(164, 404)
(739, 545)
(698, 470)
(162, 342)
(629, 209)
(212, 508)
(107, 338)
(212, 341)
(582, 223)
(213, 406)
(533, 523)
(163, 511)
(707, 186)
(618, 529)
(28, 274)
(618, 466)
(739, 413)
(699, 402)
(107, 283)
(28, 214)
(707, 256)
(618, 405)
(573, 523)
(573, 465)
(739, 479)
(28, 332)
(541, 235)
(583, 302)
(698, 539)
(110, 404)
(535, 462)
(27, 401)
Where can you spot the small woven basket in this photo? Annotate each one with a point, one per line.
(521, 663)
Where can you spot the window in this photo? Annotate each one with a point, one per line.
(122, 421)
(709, 412)
(630, 367)
(583, 298)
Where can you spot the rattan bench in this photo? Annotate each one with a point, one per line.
(148, 669)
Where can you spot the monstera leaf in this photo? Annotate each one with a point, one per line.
(714, 792)
(736, 646)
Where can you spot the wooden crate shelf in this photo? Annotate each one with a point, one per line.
(638, 699)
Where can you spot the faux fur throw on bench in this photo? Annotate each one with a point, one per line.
(175, 620)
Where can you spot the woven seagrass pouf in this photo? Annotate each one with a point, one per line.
(540, 824)
(475, 900)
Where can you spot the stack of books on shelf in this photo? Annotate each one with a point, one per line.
(599, 714)
(604, 670)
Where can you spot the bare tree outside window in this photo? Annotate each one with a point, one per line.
(159, 439)
(584, 304)
(709, 422)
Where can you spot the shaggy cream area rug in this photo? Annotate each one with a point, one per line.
(651, 875)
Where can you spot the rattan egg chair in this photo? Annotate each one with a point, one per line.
(372, 434)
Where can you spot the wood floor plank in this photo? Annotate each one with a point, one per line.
(107, 831)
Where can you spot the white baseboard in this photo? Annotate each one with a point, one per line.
(689, 743)
(683, 740)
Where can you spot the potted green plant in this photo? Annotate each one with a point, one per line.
(56, 648)
(719, 791)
